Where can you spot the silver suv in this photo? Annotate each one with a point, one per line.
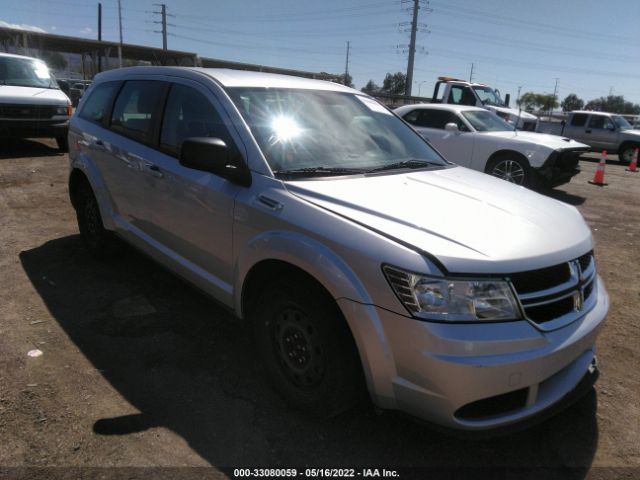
(358, 254)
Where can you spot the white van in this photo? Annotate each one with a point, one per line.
(31, 102)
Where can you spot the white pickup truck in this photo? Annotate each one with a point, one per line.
(460, 92)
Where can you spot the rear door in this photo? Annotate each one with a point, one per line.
(430, 123)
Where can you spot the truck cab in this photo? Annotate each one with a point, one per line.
(460, 92)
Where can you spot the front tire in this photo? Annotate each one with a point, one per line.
(63, 143)
(307, 346)
(513, 168)
(626, 153)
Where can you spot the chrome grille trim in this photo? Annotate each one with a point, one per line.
(582, 279)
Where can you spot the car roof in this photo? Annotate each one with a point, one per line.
(593, 112)
(231, 78)
(13, 55)
(439, 106)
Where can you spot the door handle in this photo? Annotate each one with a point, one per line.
(153, 170)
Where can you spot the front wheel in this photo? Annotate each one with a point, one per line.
(63, 143)
(306, 346)
(513, 169)
(626, 153)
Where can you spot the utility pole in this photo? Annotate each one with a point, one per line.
(471, 75)
(555, 91)
(412, 47)
(163, 22)
(517, 99)
(346, 67)
(120, 28)
(99, 36)
(610, 91)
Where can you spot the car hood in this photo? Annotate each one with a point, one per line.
(631, 133)
(554, 142)
(512, 111)
(471, 222)
(32, 95)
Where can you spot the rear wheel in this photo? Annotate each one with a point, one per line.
(99, 241)
(306, 346)
(513, 168)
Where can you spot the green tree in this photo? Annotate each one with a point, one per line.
(348, 82)
(394, 83)
(613, 104)
(572, 102)
(542, 101)
(370, 87)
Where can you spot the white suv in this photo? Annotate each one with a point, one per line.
(31, 102)
(356, 252)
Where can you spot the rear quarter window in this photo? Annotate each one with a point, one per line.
(96, 106)
(579, 120)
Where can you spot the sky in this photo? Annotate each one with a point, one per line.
(591, 47)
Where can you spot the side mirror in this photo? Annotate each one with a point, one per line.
(507, 99)
(452, 128)
(212, 155)
(612, 128)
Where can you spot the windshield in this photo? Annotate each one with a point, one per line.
(25, 72)
(489, 96)
(484, 121)
(314, 129)
(621, 122)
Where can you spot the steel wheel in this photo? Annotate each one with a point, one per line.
(298, 348)
(510, 170)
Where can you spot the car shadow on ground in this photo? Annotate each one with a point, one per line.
(186, 365)
(22, 147)
(563, 196)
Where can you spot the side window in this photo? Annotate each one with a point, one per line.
(96, 106)
(600, 121)
(135, 109)
(189, 114)
(579, 119)
(412, 117)
(461, 96)
(436, 118)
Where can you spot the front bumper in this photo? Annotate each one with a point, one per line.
(19, 128)
(560, 167)
(473, 376)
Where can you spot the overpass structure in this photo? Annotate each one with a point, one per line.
(99, 55)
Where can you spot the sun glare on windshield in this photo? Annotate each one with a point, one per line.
(284, 129)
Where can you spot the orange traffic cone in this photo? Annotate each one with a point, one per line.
(598, 178)
(634, 162)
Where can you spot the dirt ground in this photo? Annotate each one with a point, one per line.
(141, 370)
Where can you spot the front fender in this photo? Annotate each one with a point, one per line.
(306, 253)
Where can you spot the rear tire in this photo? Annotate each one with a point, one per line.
(100, 242)
(63, 143)
(513, 168)
(307, 346)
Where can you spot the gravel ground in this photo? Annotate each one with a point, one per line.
(139, 370)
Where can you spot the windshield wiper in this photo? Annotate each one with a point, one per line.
(319, 171)
(404, 164)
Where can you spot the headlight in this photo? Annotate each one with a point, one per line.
(453, 300)
(62, 110)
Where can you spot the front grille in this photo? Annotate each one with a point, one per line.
(27, 111)
(535, 280)
(555, 296)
